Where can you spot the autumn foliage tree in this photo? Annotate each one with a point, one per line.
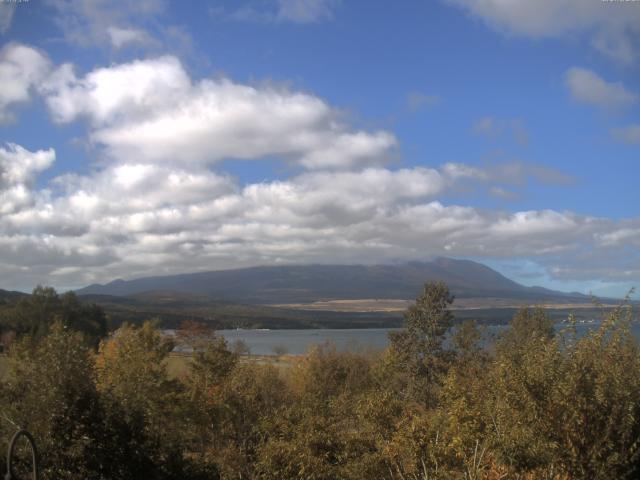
(443, 401)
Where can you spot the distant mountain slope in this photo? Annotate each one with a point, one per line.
(308, 283)
(10, 295)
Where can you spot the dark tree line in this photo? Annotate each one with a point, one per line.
(35, 314)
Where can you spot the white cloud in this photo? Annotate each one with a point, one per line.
(151, 110)
(6, 16)
(306, 11)
(535, 223)
(80, 230)
(121, 37)
(624, 235)
(348, 150)
(19, 169)
(461, 171)
(112, 95)
(21, 68)
(629, 134)
(355, 188)
(613, 26)
(587, 87)
(543, 17)
(508, 173)
(153, 205)
(104, 22)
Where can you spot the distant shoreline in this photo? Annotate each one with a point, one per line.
(388, 305)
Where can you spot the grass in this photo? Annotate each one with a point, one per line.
(178, 363)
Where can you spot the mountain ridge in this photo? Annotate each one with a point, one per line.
(309, 283)
(6, 295)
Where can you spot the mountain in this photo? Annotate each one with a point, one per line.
(6, 295)
(309, 283)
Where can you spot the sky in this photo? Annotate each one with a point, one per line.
(160, 137)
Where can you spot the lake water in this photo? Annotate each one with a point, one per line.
(297, 342)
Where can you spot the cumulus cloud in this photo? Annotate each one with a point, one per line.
(587, 87)
(180, 218)
(614, 27)
(154, 205)
(79, 230)
(108, 96)
(153, 111)
(629, 134)
(19, 169)
(21, 69)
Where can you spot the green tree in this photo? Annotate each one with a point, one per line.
(34, 315)
(527, 324)
(418, 349)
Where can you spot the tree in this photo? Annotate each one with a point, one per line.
(320, 435)
(209, 368)
(527, 324)
(417, 350)
(34, 315)
(246, 401)
(211, 364)
(194, 335)
(132, 378)
(50, 391)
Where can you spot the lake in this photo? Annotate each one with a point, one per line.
(297, 342)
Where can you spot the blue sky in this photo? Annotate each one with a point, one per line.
(162, 137)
